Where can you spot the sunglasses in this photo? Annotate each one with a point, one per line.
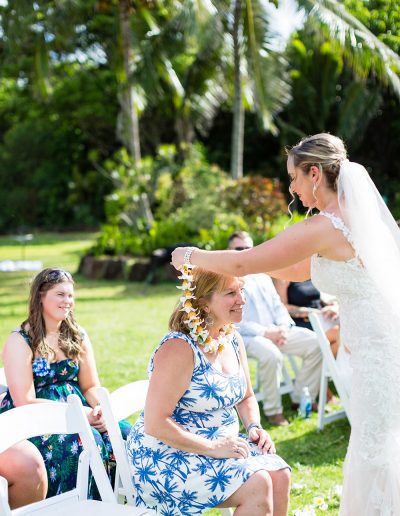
(241, 248)
(57, 274)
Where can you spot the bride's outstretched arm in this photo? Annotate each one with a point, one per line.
(295, 244)
(300, 271)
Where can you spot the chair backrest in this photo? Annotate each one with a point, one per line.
(330, 364)
(129, 398)
(37, 419)
(121, 404)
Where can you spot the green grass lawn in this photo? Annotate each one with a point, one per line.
(126, 320)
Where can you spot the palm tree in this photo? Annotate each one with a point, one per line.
(182, 67)
(262, 71)
(130, 121)
(259, 70)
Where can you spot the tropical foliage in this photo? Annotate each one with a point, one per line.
(192, 202)
(90, 88)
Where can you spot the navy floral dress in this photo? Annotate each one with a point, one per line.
(56, 381)
(177, 483)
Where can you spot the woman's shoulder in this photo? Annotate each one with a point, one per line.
(174, 343)
(20, 334)
(18, 344)
(177, 336)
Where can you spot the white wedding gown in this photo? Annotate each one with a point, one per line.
(372, 466)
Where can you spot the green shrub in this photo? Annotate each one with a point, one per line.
(191, 201)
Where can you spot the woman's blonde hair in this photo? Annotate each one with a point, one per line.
(207, 283)
(71, 338)
(323, 150)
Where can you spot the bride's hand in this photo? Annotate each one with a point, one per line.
(177, 257)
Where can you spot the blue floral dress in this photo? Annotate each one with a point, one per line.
(56, 381)
(177, 483)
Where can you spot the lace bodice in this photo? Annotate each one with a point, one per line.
(372, 335)
(358, 297)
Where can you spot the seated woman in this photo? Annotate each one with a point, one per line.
(23, 468)
(48, 358)
(186, 451)
(299, 297)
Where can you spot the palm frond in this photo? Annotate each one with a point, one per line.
(364, 51)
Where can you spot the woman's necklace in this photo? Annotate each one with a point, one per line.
(196, 325)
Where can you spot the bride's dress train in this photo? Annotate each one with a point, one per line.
(372, 466)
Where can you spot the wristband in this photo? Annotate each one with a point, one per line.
(253, 425)
(187, 255)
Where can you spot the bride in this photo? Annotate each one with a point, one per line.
(350, 249)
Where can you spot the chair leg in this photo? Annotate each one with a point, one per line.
(4, 507)
(83, 475)
(322, 397)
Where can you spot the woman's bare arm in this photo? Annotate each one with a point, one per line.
(173, 369)
(88, 377)
(277, 256)
(17, 360)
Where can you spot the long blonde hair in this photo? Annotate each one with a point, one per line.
(207, 283)
(71, 338)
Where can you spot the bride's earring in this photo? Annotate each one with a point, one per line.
(314, 190)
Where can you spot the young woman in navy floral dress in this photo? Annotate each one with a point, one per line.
(48, 358)
(186, 451)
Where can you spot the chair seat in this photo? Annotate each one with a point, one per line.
(89, 508)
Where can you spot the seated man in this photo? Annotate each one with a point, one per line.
(268, 331)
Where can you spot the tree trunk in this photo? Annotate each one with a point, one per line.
(130, 121)
(238, 110)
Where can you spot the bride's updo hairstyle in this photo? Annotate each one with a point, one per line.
(323, 150)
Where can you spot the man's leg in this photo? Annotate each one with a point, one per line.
(270, 362)
(303, 343)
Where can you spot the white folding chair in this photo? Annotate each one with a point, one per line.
(61, 418)
(3, 381)
(118, 405)
(121, 404)
(330, 369)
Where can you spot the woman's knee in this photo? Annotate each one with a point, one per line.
(281, 480)
(23, 467)
(29, 462)
(262, 485)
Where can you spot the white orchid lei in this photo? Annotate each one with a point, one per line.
(196, 325)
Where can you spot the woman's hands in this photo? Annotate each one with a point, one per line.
(237, 448)
(330, 312)
(263, 440)
(96, 419)
(230, 447)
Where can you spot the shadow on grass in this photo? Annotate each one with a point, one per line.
(47, 239)
(123, 289)
(301, 443)
(317, 448)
